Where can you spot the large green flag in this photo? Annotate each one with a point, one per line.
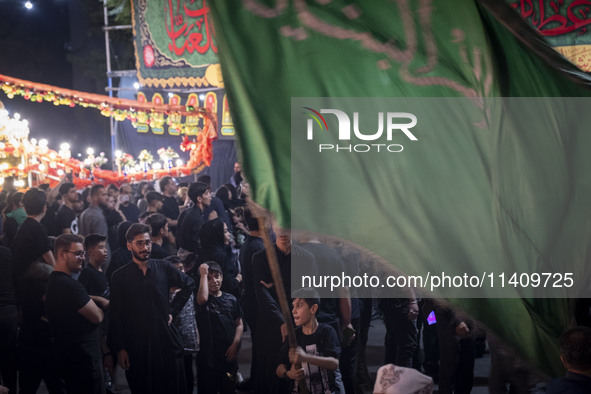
(469, 183)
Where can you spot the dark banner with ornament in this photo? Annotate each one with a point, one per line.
(174, 44)
(565, 24)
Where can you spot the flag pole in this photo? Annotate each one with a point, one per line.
(282, 298)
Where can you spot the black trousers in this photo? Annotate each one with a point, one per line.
(456, 360)
(36, 363)
(401, 339)
(8, 355)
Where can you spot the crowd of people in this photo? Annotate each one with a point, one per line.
(163, 279)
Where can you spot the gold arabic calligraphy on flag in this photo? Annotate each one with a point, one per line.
(175, 44)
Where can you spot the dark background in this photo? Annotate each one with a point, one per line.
(35, 45)
(61, 43)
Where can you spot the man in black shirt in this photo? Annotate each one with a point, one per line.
(32, 261)
(191, 219)
(31, 243)
(575, 345)
(170, 206)
(248, 301)
(147, 346)
(74, 318)
(216, 205)
(131, 211)
(66, 219)
(159, 227)
(155, 201)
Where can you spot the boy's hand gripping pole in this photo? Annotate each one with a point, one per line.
(280, 290)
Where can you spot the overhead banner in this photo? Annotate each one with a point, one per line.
(564, 24)
(174, 44)
(214, 101)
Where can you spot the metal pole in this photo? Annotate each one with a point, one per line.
(109, 80)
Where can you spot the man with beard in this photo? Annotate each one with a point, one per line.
(92, 219)
(148, 347)
(66, 219)
(74, 318)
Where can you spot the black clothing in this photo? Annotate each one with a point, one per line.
(401, 339)
(213, 248)
(218, 206)
(216, 322)
(131, 212)
(188, 226)
(7, 296)
(66, 219)
(78, 347)
(324, 343)
(9, 229)
(139, 315)
(113, 218)
(38, 363)
(572, 383)
(48, 221)
(269, 317)
(8, 322)
(94, 281)
(456, 355)
(65, 296)
(34, 329)
(8, 354)
(248, 301)
(120, 257)
(29, 245)
(158, 252)
(170, 207)
(35, 350)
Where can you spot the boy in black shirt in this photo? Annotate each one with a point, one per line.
(220, 329)
(92, 276)
(318, 348)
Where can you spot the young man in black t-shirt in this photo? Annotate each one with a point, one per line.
(191, 219)
(92, 276)
(31, 243)
(220, 330)
(66, 219)
(318, 348)
(159, 227)
(74, 317)
(170, 206)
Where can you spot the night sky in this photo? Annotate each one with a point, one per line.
(34, 45)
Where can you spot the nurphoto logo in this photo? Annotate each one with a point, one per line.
(397, 124)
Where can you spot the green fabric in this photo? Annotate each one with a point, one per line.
(174, 43)
(273, 51)
(18, 214)
(563, 23)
